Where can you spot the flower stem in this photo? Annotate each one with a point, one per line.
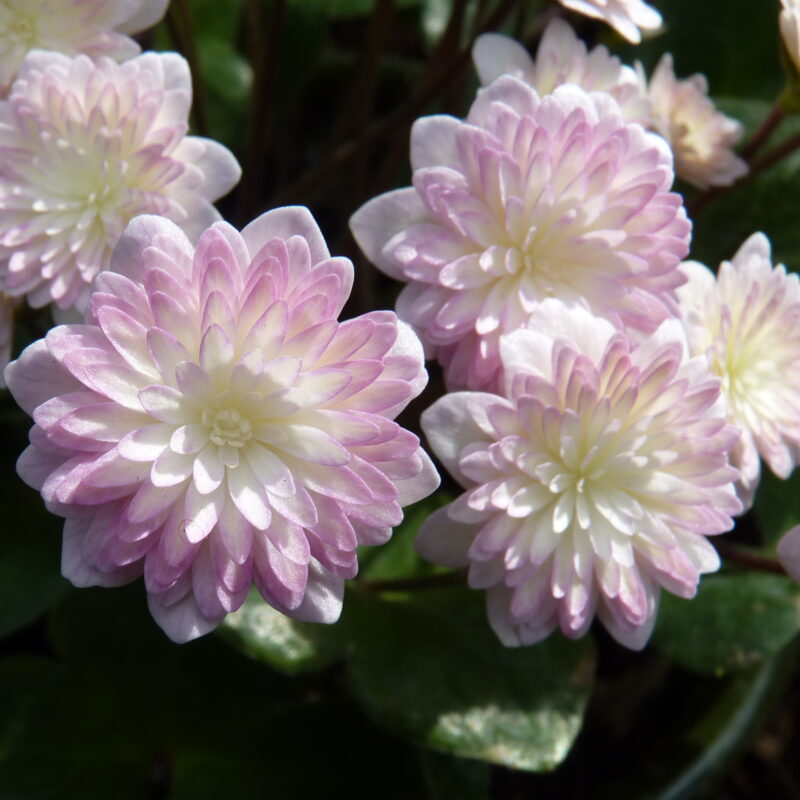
(389, 123)
(744, 558)
(181, 31)
(775, 155)
(355, 110)
(774, 118)
(262, 56)
(762, 134)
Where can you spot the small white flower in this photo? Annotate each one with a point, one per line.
(747, 322)
(701, 137)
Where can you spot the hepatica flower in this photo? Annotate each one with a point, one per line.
(94, 27)
(84, 148)
(747, 322)
(213, 425)
(526, 199)
(701, 137)
(591, 485)
(563, 58)
(626, 17)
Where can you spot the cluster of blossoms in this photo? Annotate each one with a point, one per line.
(87, 144)
(211, 425)
(700, 137)
(609, 404)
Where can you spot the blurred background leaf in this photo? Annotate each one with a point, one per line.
(430, 668)
(736, 621)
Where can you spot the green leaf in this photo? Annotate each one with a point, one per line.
(30, 575)
(289, 646)
(294, 647)
(188, 721)
(777, 506)
(431, 669)
(766, 203)
(736, 621)
(30, 542)
(709, 727)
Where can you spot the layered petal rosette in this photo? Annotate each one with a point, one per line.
(526, 199)
(626, 17)
(591, 484)
(701, 137)
(94, 27)
(84, 148)
(212, 425)
(563, 58)
(746, 320)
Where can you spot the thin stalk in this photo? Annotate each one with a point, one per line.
(744, 558)
(356, 109)
(759, 138)
(697, 203)
(451, 36)
(774, 118)
(263, 57)
(775, 155)
(343, 155)
(181, 31)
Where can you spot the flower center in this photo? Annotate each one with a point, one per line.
(227, 426)
(21, 32)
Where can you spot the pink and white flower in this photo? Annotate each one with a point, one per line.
(590, 485)
(94, 27)
(626, 17)
(746, 321)
(701, 137)
(528, 198)
(84, 148)
(563, 58)
(212, 425)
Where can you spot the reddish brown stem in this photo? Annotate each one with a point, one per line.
(744, 558)
(181, 31)
(263, 57)
(764, 131)
(775, 155)
(343, 155)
